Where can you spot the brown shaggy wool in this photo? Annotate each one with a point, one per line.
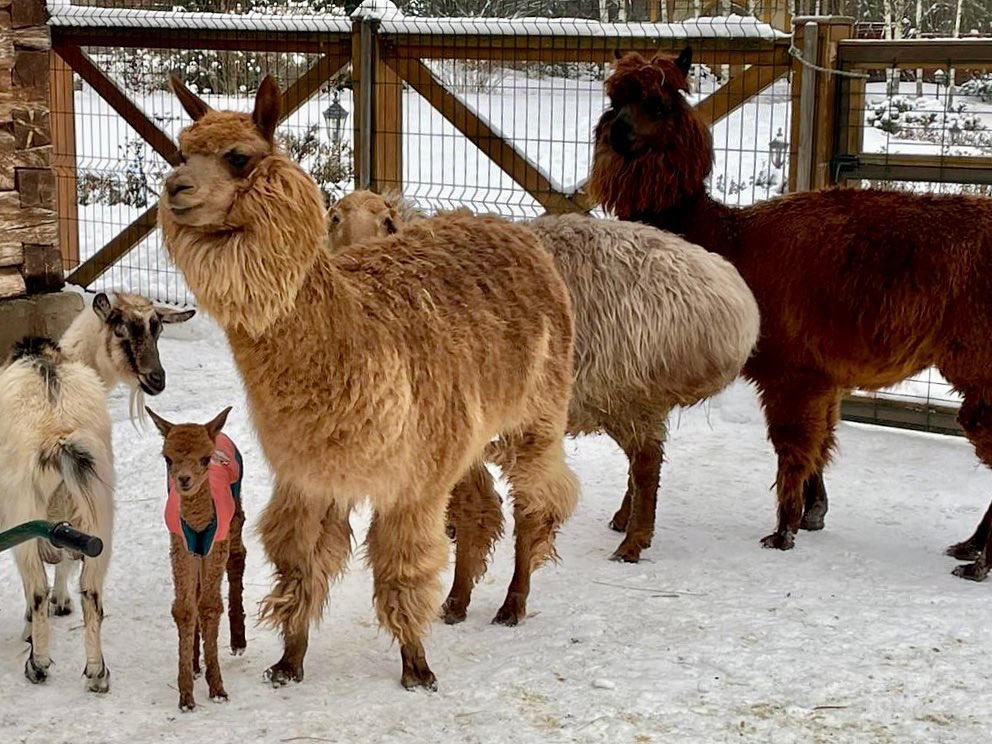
(382, 372)
(857, 288)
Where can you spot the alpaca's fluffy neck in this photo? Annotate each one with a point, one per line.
(699, 219)
(248, 277)
(85, 341)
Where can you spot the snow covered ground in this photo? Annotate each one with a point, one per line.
(859, 634)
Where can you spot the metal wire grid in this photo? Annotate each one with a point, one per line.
(542, 105)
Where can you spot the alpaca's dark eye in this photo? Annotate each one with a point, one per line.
(237, 160)
(205, 461)
(656, 109)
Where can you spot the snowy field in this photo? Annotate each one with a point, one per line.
(859, 634)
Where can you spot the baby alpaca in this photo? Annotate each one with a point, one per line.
(205, 519)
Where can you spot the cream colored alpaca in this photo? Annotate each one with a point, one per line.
(659, 323)
(378, 373)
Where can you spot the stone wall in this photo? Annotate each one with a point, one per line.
(29, 253)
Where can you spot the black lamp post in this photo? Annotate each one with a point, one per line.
(777, 149)
(334, 117)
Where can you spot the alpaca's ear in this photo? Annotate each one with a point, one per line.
(334, 215)
(102, 306)
(160, 423)
(391, 221)
(193, 104)
(170, 315)
(267, 107)
(684, 60)
(214, 426)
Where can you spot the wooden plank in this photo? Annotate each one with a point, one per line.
(107, 89)
(387, 124)
(63, 122)
(515, 165)
(975, 54)
(310, 42)
(736, 91)
(932, 168)
(566, 49)
(97, 265)
(11, 283)
(918, 416)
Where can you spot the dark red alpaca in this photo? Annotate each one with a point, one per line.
(857, 288)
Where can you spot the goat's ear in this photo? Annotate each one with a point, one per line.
(193, 104)
(268, 103)
(684, 60)
(217, 423)
(102, 306)
(169, 315)
(160, 423)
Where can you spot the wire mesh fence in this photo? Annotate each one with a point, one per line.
(495, 114)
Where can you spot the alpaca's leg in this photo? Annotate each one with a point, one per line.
(91, 600)
(235, 583)
(208, 612)
(975, 417)
(972, 548)
(801, 430)
(61, 603)
(35, 582)
(476, 514)
(407, 550)
(196, 644)
(620, 520)
(309, 543)
(644, 447)
(814, 489)
(544, 492)
(185, 578)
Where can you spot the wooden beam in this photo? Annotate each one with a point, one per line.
(63, 117)
(948, 169)
(309, 42)
(107, 89)
(307, 84)
(904, 414)
(387, 123)
(869, 54)
(736, 91)
(101, 261)
(515, 165)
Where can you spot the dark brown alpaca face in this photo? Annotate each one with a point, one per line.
(646, 104)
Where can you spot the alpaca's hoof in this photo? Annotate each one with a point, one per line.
(779, 541)
(282, 673)
(419, 675)
(186, 703)
(98, 682)
(219, 697)
(238, 650)
(511, 613)
(60, 607)
(454, 611)
(812, 521)
(976, 571)
(197, 672)
(626, 555)
(36, 673)
(964, 551)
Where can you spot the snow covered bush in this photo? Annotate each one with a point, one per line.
(978, 87)
(330, 165)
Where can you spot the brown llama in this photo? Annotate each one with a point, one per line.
(206, 519)
(381, 372)
(857, 288)
(659, 323)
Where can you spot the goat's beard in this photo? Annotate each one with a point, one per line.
(136, 408)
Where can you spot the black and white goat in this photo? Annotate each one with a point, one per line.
(56, 454)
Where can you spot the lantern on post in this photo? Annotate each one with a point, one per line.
(334, 117)
(777, 149)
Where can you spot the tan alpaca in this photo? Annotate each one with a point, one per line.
(203, 541)
(381, 372)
